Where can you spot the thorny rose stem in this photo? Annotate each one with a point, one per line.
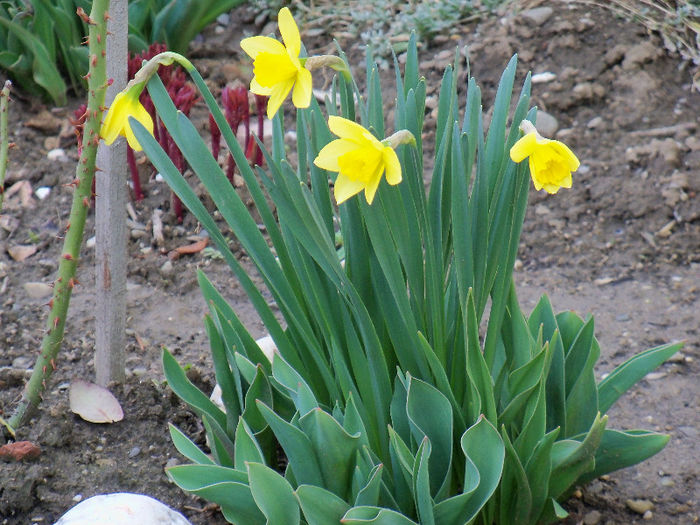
(85, 172)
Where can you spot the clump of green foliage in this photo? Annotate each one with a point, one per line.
(41, 42)
(408, 385)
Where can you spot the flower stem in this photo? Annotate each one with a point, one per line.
(85, 172)
(4, 137)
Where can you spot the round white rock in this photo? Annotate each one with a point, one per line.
(122, 508)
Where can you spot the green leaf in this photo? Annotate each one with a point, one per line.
(485, 453)
(430, 415)
(320, 507)
(246, 446)
(297, 447)
(619, 449)
(335, 448)
(374, 516)
(259, 390)
(628, 373)
(273, 495)
(421, 484)
(44, 72)
(190, 394)
(572, 459)
(369, 494)
(543, 316)
(186, 447)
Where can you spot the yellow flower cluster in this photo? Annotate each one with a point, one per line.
(357, 156)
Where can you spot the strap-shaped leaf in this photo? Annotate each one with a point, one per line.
(335, 449)
(246, 446)
(187, 448)
(190, 394)
(421, 484)
(273, 495)
(430, 415)
(369, 494)
(228, 379)
(320, 507)
(543, 315)
(572, 459)
(619, 449)
(297, 447)
(374, 516)
(485, 453)
(259, 390)
(631, 371)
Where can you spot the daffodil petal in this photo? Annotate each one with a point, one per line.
(566, 153)
(347, 129)
(256, 88)
(523, 148)
(262, 44)
(392, 165)
(131, 139)
(301, 95)
(277, 95)
(289, 31)
(373, 183)
(327, 158)
(345, 188)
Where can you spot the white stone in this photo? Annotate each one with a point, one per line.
(38, 290)
(541, 78)
(42, 192)
(122, 509)
(57, 154)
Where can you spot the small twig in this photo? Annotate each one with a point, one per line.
(664, 131)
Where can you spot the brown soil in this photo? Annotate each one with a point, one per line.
(623, 244)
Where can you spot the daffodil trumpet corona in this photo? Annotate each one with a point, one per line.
(551, 162)
(360, 159)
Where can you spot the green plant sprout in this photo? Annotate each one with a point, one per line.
(82, 196)
(407, 386)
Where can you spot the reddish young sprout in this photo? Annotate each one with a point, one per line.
(236, 103)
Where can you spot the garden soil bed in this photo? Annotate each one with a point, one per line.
(623, 244)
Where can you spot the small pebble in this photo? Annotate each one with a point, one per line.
(640, 506)
(57, 155)
(172, 462)
(78, 498)
(648, 515)
(134, 452)
(541, 78)
(167, 269)
(37, 290)
(42, 192)
(592, 518)
(90, 243)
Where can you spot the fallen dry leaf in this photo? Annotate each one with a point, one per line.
(94, 403)
(187, 249)
(21, 251)
(19, 450)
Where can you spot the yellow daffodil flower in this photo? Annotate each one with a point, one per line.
(276, 66)
(360, 159)
(126, 104)
(551, 161)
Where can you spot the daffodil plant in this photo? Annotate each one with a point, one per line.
(407, 385)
